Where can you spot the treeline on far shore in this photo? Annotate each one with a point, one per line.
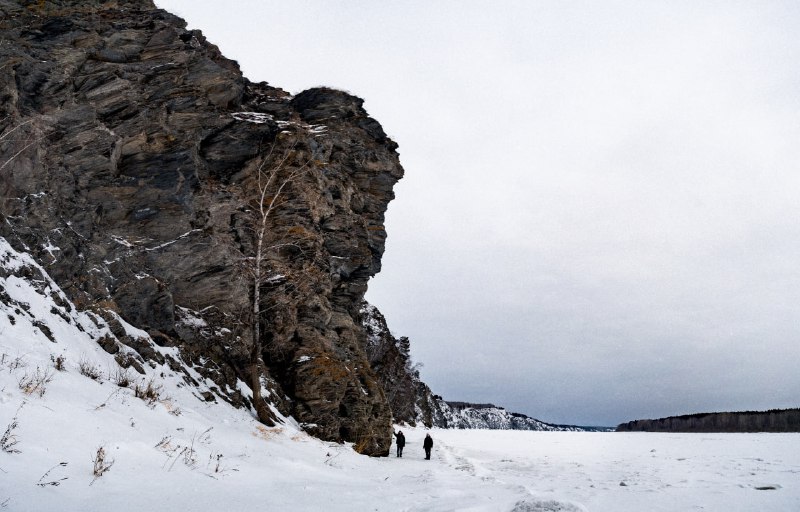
(776, 420)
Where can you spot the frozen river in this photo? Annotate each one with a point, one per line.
(633, 471)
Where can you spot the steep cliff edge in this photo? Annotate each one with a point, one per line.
(413, 402)
(132, 152)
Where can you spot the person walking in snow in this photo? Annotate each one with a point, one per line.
(428, 445)
(401, 442)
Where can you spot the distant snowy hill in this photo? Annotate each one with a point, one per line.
(463, 415)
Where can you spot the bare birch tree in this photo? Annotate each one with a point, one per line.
(273, 176)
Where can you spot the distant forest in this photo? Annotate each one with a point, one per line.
(776, 420)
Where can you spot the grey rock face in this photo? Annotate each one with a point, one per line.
(390, 357)
(132, 149)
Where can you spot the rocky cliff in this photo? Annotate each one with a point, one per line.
(135, 160)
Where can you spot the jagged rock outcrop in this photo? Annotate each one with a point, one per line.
(390, 357)
(413, 402)
(132, 151)
(776, 420)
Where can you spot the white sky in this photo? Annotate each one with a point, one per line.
(600, 218)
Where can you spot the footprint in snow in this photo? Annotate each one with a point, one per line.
(534, 505)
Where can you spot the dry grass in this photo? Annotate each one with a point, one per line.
(9, 439)
(101, 463)
(265, 433)
(121, 377)
(150, 392)
(36, 383)
(89, 369)
(59, 362)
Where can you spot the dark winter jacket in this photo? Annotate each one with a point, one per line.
(428, 443)
(401, 439)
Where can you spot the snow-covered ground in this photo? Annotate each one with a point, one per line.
(283, 469)
(175, 451)
(634, 471)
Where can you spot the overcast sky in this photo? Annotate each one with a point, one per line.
(600, 219)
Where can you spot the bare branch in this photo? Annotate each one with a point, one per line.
(17, 154)
(9, 132)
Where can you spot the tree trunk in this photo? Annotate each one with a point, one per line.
(263, 412)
